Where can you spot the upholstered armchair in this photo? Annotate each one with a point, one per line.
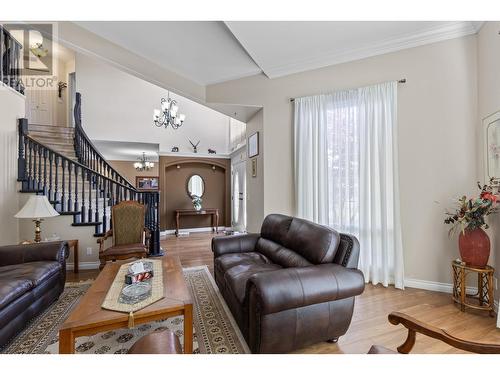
(130, 237)
(291, 285)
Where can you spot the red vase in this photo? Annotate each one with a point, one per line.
(474, 247)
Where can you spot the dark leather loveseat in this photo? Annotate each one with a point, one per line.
(31, 278)
(290, 286)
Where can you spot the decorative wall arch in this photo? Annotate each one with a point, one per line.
(170, 190)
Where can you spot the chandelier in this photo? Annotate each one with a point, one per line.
(143, 164)
(168, 114)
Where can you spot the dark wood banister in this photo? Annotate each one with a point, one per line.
(78, 164)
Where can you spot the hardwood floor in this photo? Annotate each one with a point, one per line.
(369, 324)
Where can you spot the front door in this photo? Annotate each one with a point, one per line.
(239, 196)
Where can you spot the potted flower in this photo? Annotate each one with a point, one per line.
(473, 242)
(196, 202)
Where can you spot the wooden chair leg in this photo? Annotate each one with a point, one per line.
(102, 263)
(407, 346)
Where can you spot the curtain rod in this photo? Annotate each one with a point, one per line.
(402, 80)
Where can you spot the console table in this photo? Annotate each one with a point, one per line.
(213, 212)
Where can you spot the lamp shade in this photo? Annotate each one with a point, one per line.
(37, 207)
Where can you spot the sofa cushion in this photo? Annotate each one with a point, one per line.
(12, 289)
(313, 242)
(236, 277)
(280, 255)
(227, 261)
(36, 272)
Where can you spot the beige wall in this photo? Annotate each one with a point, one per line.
(12, 107)
(437, 137)
(488, 48)
(127, 170)
(255, 185)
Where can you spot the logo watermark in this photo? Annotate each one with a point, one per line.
(29, 55)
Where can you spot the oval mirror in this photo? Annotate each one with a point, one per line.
(195, 186)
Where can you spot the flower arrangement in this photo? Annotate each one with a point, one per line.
(470, 213)
(196, 202)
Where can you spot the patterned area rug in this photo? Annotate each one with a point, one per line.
(215, 330)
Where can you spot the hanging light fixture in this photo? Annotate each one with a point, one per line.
(143, 164)
(168, 115)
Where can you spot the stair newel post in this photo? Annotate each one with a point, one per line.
(63, 185)
(154, 225)
(51, 196)
(21, 156)
(82, 209)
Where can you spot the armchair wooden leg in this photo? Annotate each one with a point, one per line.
(103, 263)
(407, 346)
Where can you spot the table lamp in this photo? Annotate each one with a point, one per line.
(36, 208)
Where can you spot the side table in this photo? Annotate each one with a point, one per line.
(483, 299)
(72, 244)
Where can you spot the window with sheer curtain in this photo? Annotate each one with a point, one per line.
(346, 172)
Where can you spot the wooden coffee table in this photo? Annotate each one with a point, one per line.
(88, 318)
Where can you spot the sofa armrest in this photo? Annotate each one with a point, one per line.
(234, 244)
(291, 288)
(348, 251)
(49, 251)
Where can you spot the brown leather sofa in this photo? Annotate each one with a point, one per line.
(290, 286)
(31, 278)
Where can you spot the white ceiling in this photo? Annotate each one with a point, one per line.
(130, 151)
(209, 52)
(282, 48)
(204, 51)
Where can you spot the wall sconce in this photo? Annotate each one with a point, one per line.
(178, 166)
(213, 168)
(60, 86)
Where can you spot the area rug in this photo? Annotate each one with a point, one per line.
(215, 330)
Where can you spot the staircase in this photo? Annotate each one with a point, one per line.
(63, 164)
(57, 138)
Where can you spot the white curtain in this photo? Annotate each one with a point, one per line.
(346, 172)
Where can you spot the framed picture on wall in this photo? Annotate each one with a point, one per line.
(253, 145)
(147, 182)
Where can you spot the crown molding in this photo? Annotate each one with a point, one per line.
(433, 35)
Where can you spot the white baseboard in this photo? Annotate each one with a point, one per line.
(192, 230)
(439, 287)
(83, 266)
(434, 286)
